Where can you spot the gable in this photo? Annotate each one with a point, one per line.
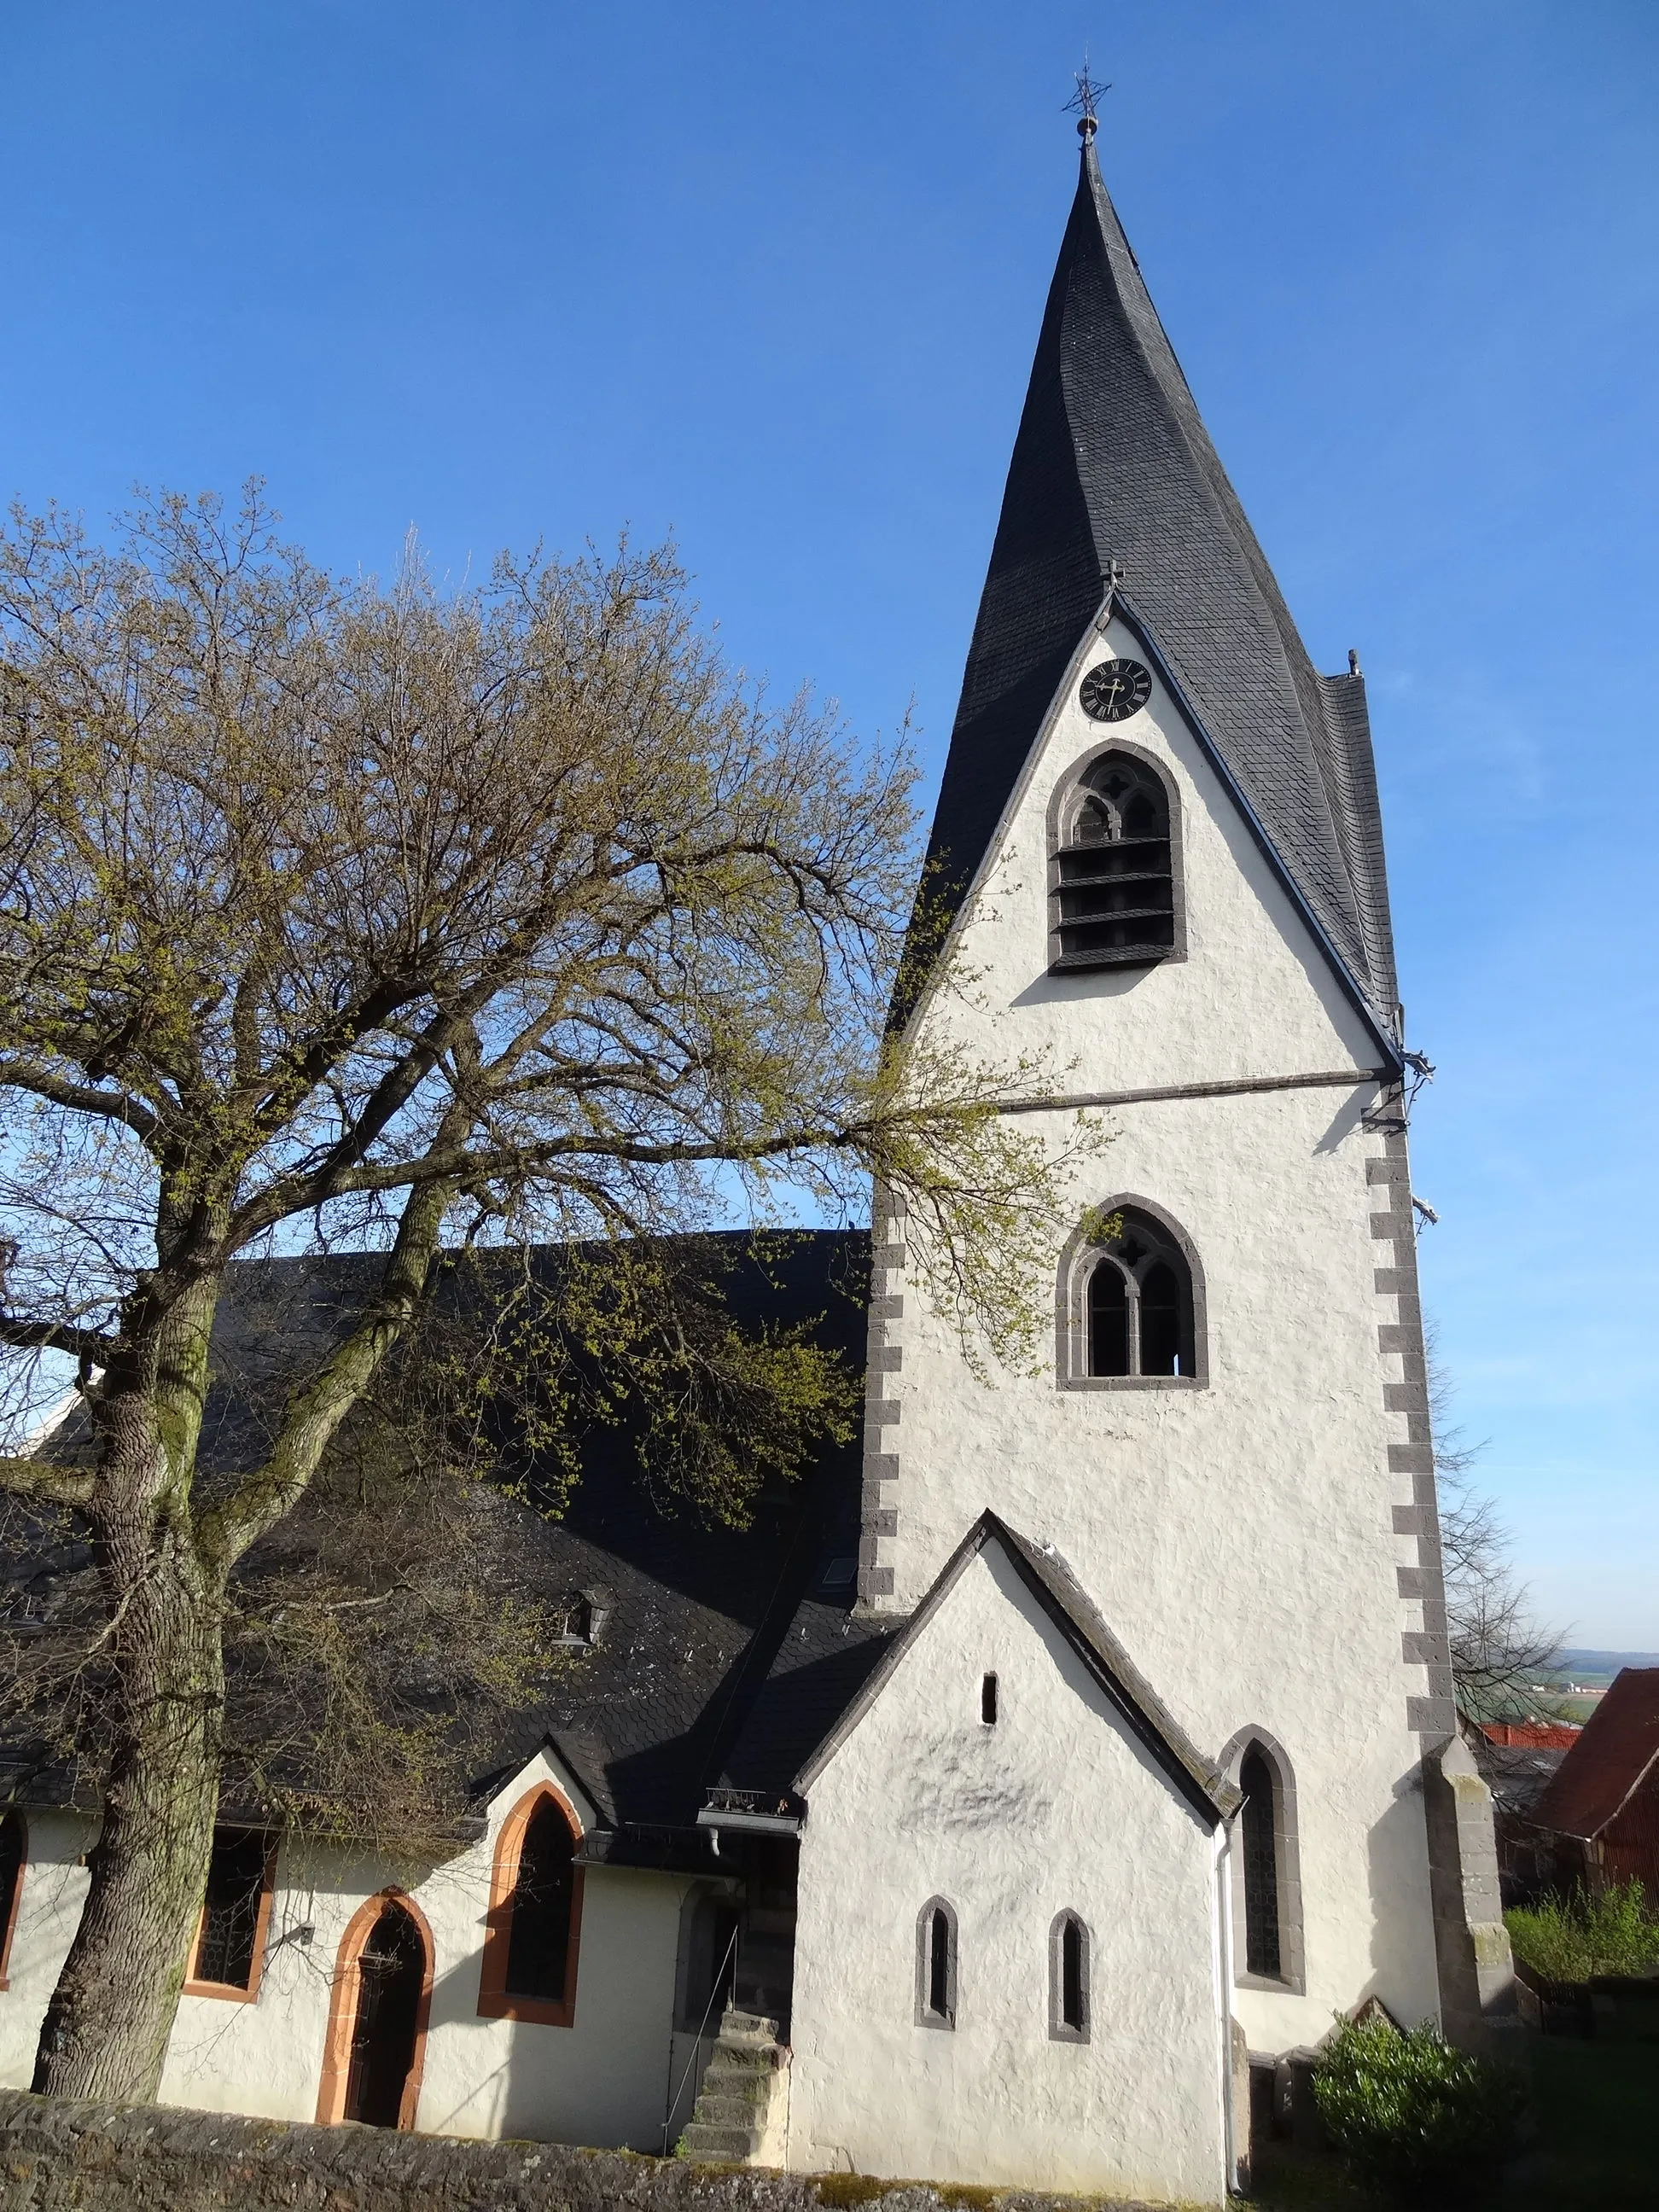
(1061, 1749)
(1254, 988)
(924, 1682)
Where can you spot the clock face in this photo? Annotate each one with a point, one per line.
(1115, 689)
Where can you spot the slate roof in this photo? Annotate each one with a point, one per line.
(1112, 462)
(1618, 1746)
(827, 1676)
(644, 1718)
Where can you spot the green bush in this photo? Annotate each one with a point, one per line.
(1411, 2112)
(1569, 1939)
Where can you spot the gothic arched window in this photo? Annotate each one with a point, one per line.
(1130, 1304)
(1140, 1303)
(1267, 1875)
(936, 1964)
(1069, 1980)
(535, 1915)
(1112, 889)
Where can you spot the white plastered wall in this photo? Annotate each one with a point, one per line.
(603, 2080)
(1056, 1807)
(1239, 1537)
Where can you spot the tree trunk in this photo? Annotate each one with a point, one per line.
(106, 2029)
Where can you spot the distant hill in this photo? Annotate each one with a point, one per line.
(1606, 1662)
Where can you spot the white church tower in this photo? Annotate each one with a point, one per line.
(1157, 1769)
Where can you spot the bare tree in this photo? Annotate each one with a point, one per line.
(399, 920)
(1498, 1646)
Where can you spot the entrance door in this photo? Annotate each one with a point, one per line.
(391, 1975)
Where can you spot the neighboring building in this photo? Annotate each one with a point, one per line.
(1095, 1740)
(1517, 1761)
(1601, 1809)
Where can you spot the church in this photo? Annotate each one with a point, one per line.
(1016, 1799)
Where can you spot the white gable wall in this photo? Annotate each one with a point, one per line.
(1056, 1807)
(1238, 1536)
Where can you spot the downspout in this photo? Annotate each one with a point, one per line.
(1223, 1955)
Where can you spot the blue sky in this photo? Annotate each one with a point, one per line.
(769, 277)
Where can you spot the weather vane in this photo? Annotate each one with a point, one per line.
(1083, 103)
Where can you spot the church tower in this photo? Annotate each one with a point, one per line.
(1158, 1768)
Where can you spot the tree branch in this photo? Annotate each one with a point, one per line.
(91, 1347)
(82, 1097)
(48, 1480)
(226, 1530)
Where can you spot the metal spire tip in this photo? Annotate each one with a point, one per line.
(1084, 102)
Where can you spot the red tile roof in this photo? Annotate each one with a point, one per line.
(1617, 1745)
(1532, 1735)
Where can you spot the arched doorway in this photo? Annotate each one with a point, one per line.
(377, 2016)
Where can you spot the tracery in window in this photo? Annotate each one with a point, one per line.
(1069, 1980)
(936, 1964)
(1140, 1303)
(1112, 892)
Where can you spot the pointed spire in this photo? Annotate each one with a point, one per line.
(1114, 485)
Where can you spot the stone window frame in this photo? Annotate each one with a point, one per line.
(496, 2000)
(9, 1923)
(1077, 1264)
(1060, 801)
(926, 2016)
(1060, 2031)
(197, 1986)
(336, 2080)
(1291, 1980)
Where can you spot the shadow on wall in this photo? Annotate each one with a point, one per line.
(1394, 1850)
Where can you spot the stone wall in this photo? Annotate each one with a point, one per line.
(69, 2157)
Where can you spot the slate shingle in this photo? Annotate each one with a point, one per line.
(1112, 462)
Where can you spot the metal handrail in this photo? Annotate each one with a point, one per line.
(674, 2101)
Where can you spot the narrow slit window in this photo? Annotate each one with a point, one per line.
(1113, 896)
(936, 1964)
(1259, 1839)
(228, 1943)
(988, 1700)
(1069, 1980)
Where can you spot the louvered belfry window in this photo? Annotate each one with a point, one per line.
(1114, 881)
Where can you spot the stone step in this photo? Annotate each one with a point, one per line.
(747, 2027)
(718, 2112)
(720, 2146)
(753, 2064)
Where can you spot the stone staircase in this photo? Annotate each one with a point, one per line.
(743, 2103)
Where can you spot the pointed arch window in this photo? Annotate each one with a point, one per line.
(1130, 1305)
(1139, 1301)
(936, 1964)
(1266, 1874)
(1068, 1979)
(1112, 888)
(535, 1914)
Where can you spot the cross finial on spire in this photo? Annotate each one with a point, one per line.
(1083, 103)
